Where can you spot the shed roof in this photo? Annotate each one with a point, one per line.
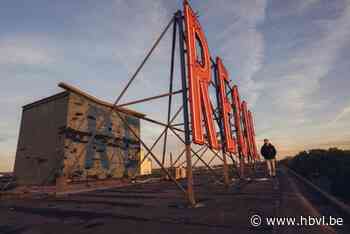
(68, 88)
(98, 101)
(46, 100)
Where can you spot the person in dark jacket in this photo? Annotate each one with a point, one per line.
(268, 151)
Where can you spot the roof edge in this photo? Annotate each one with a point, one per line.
(73, 89)
(45, 100)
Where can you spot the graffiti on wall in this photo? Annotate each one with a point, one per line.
(114, 151)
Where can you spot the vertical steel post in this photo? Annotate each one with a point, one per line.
(170, 88)
(241, 165)
(221, 127)
(241, 154)
(171, 159)
(239, 128)
(190, 192)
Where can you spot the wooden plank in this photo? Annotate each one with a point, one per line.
(98, 101)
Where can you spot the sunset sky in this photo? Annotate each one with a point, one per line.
(290, 59)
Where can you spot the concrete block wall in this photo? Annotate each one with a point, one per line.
(114, 152)
(54, 138)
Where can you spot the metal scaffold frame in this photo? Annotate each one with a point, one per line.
(180, 130)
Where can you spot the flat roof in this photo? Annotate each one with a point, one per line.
(45, 100)
(72, 89)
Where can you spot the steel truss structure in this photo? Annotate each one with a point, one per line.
(182, 130)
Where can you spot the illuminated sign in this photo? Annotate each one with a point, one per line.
(226, 108)
(199, 78)
(236, 103)
(247, 130)
(251, 124)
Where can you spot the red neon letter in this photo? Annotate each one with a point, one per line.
(225, 106)
(199, 76)
(251, 123)
(247, 128)
(242, 146)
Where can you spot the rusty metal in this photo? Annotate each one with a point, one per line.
(199, 150)
(153, 156)
(216, 154)
(187, 142)
(201, 155)
(171, 83)
(160, 123)
(196, 154)
(150, 98)
(164, 131)
(160, 136)
(178, 124)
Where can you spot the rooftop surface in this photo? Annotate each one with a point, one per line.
(158, 207)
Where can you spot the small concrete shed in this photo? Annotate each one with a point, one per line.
(55, 140)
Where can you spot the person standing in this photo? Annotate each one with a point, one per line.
(268, 151)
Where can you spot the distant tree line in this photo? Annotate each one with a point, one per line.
(329, 169)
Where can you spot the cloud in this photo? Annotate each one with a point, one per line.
(127, 29)
(345, 112)
(295, 82)
(305, 5)
(241, 43)
(23, 51)
(292, 108)
(149, 18)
